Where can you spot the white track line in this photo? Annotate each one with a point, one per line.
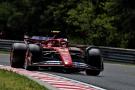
(54, 80)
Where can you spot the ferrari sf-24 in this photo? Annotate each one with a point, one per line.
(56, 54)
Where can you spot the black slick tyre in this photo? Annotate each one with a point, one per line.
(17, 55)
(94, 60)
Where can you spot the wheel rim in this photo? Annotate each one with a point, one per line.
(11, 57)
(92, 72)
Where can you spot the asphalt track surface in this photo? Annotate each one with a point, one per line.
(114, 77)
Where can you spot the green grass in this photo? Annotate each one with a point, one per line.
(122, 63)
(12, 81)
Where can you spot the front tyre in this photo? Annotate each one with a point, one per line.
(27, 63)
(33, 55)
(92, 72)
(94, 59)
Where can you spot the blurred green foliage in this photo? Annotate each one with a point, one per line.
(94, 22)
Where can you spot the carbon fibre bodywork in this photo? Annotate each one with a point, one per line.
(56, 54)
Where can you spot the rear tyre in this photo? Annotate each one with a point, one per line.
(67, 70)
(17, 55)
(94, 60)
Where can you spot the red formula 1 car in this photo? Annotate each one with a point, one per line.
(55, 54)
